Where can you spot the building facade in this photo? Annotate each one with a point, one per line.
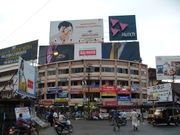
(104, 82)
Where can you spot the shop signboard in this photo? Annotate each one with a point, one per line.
(110, 103)
(54, 90)
(124, 90)
(123, 98)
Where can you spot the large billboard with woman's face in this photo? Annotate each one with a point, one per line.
(76, 31)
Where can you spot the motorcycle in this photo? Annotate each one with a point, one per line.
(31, 127)
(61, 126)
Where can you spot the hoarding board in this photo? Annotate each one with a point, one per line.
(28, 51)
(26, 81)
(65, 52)
(121, 50)
(76, 31)
(24, 111)
(160, 93)
(167, 67)
(122, 28)
(90, 51)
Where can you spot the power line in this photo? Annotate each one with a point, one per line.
(35, 13)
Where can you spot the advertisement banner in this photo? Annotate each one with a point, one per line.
(123, 98)
(90, 51)
(122, 51)
(24, 111)
(122, 28)
(110, 103)
(76, 31)
(160, 93)
(26, 81)
(65, 52)
(28, 51)
(167, 67)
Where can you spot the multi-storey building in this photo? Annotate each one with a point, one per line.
(77, 82)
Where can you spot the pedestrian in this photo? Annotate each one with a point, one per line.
(116, 116)
(50, 118)
(134, 117)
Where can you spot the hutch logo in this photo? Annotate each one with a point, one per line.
(87, 52)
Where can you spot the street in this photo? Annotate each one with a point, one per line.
(97, 127)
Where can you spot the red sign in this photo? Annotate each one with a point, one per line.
(124, 91)
(87, 52)
(106, 88)
(110, 103)
(30, 84)
(47, 102)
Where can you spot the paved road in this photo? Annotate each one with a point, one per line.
(82, 127)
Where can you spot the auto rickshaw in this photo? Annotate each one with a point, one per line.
(166, 115)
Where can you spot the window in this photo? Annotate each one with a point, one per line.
(51, 84)
(74, 83)
(107, 69)
(41, 74)
(50, 96)
(135, 95)
(144, 96)
(143, 84)
(63, 71)
(95, 69)
(122, 83)
(62, 83)
(41, 85)
(134, 72)
(122, 70)
(77, 70)
(53, 72)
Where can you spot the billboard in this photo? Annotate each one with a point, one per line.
(65, 52)
(90, 51)
(108, 90)
(28, 51)
(76, 31)
(160, 93)
(121, 50)
(24, 111)
(167, 67)
(122, 28)
(26, 80)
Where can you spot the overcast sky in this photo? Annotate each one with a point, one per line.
(157, 21)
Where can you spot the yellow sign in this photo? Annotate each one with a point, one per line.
(61, 100)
